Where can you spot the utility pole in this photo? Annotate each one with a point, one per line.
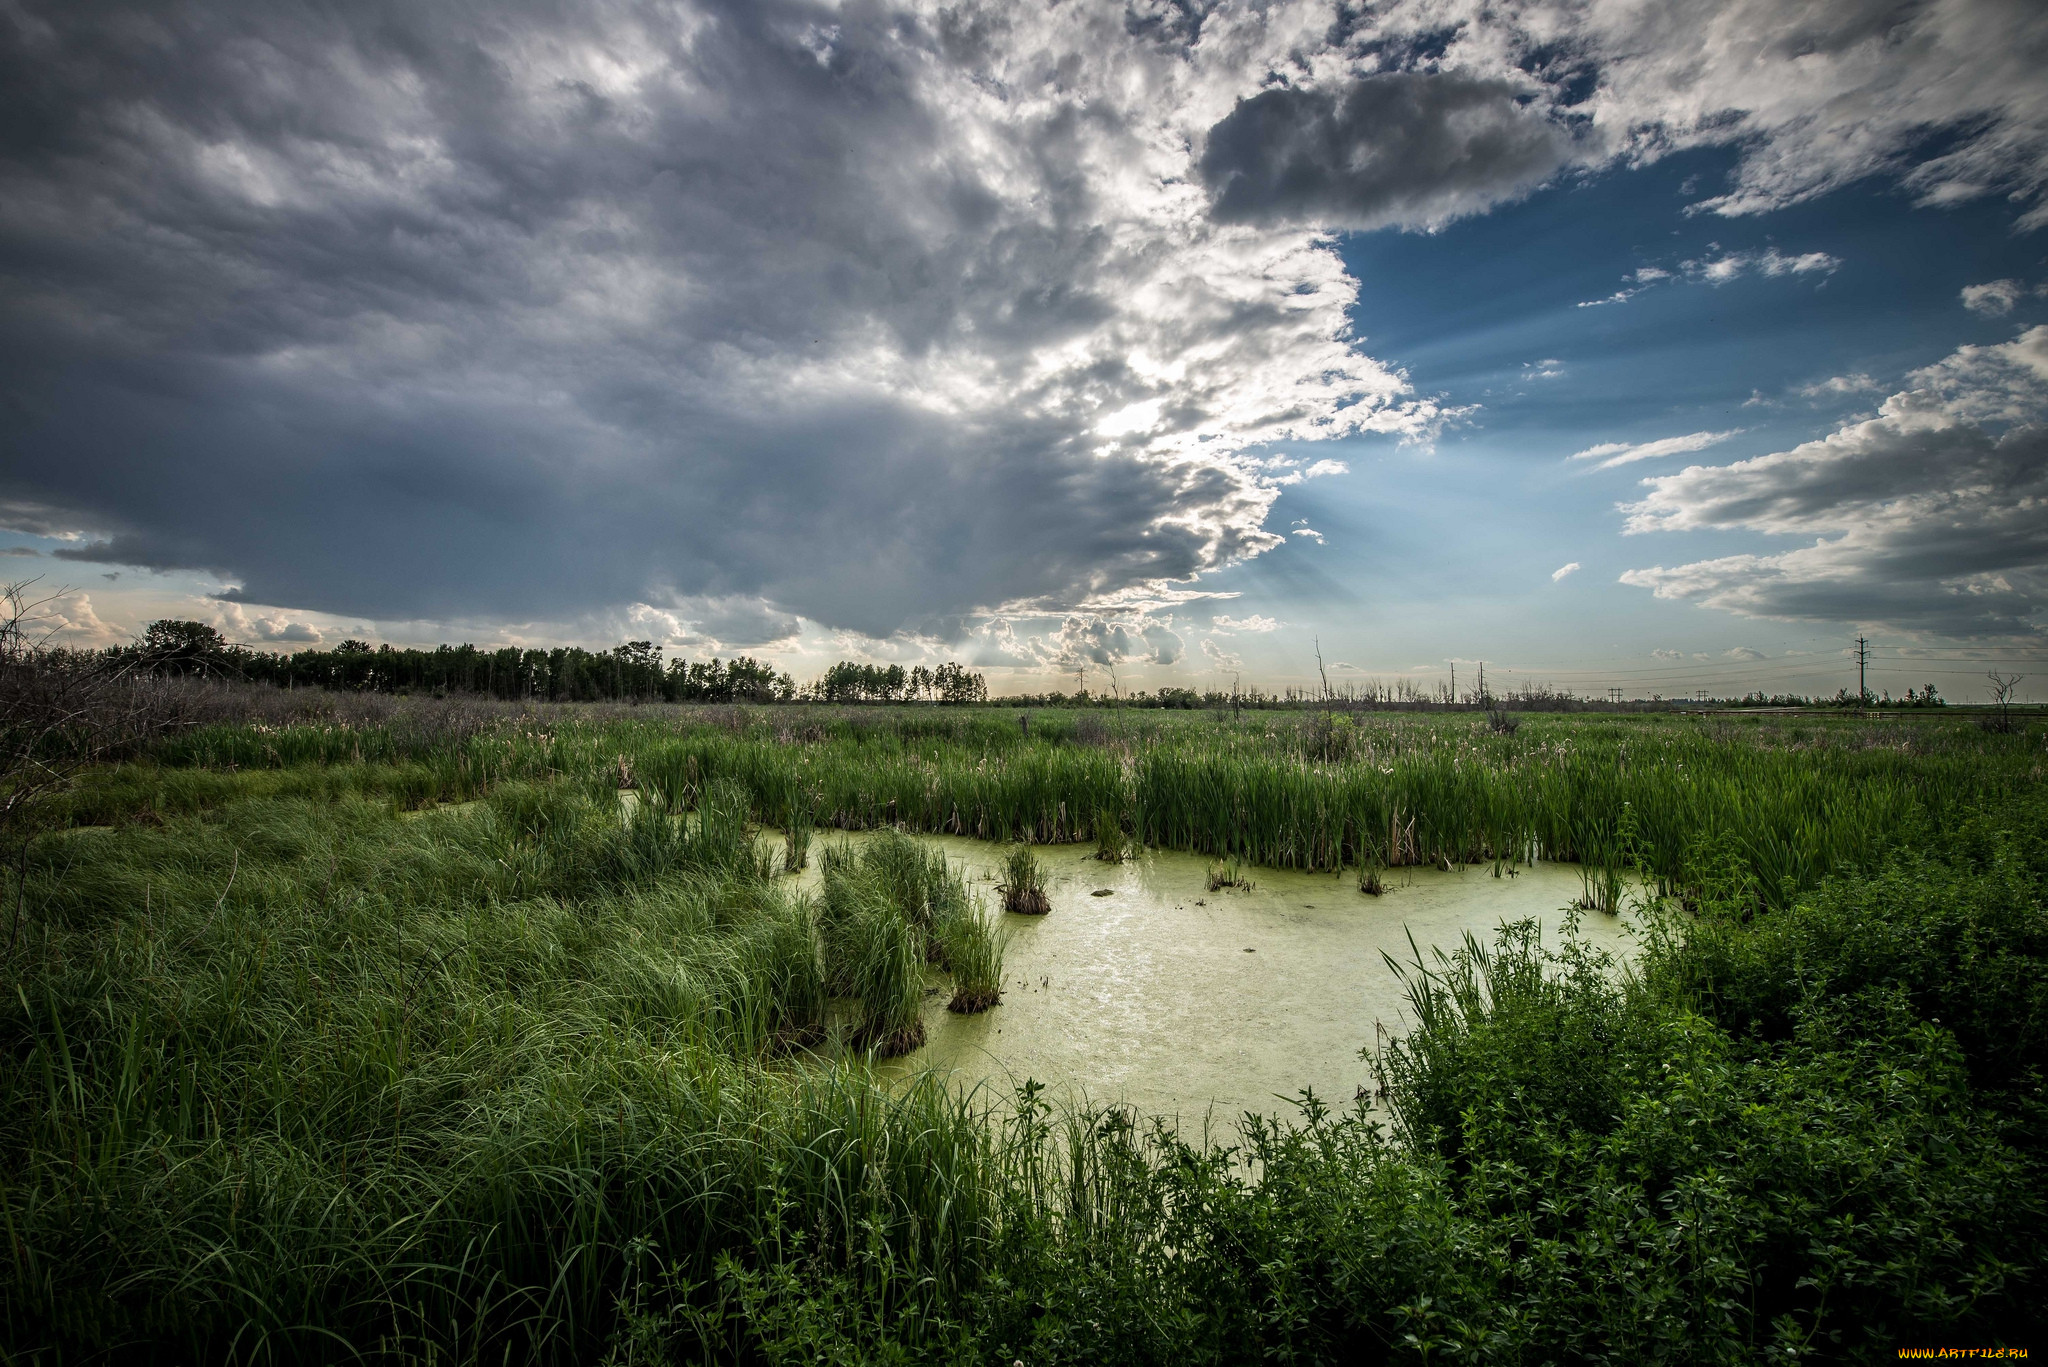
(1614, 695)
(1454, 682)
(1862, 660)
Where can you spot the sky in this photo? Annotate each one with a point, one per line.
(1601, 344)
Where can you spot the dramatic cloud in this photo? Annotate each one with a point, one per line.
(1625, 453)
(1218, 657)
(1931, 517)
(1109, 641)
(882, 315)
(871, 315)
(1413, 149)
(1817, 95)
(1562, 570)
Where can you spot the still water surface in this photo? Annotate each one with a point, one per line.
(1196, 1004)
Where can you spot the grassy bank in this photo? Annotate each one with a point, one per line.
(301, 1066)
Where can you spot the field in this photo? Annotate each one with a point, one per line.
(342, 1027)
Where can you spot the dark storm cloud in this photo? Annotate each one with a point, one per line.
(875, 312)
(429, 311)
(1409, 148)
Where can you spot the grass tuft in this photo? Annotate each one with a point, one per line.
(1023, 885)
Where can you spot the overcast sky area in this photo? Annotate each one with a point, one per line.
(1657, 346)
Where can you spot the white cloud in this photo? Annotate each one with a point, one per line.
(1291, 471)
(1994, 299)
(1733, 265)
(1165, 645)
(1255, 622)
(1562, 570)
(1744, 653)
(1218, 657)
(1840, 386)
(1110, 641)
(1931, 516)
(1639, 280)
(1613, 453)
(1719, 270)
(66, 617)
(238, 623)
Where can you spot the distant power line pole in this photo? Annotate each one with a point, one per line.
(1614, 695)
(1862, 660)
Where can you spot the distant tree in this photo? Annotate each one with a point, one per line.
(176, 647)
(2003, 687)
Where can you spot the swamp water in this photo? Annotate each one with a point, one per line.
(1202, 1005)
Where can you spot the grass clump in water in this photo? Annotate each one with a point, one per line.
(1229, 873)
(974, 955)
(876, 958)
(889, 910)
(1023, 885)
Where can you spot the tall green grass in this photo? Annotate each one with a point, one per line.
(1798, 800)
(295, 1068)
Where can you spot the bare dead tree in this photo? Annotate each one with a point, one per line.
(2003, 687)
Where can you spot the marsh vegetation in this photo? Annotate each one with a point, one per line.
(342, 1028)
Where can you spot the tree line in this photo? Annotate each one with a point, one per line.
(949, 682)
(633, 672)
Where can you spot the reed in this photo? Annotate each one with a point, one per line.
(1112, 842)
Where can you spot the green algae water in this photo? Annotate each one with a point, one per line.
(1145, 988)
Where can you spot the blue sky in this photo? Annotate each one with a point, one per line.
(1442, 553)
(1661, 348)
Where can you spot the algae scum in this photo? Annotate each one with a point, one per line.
(1196, 1004)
